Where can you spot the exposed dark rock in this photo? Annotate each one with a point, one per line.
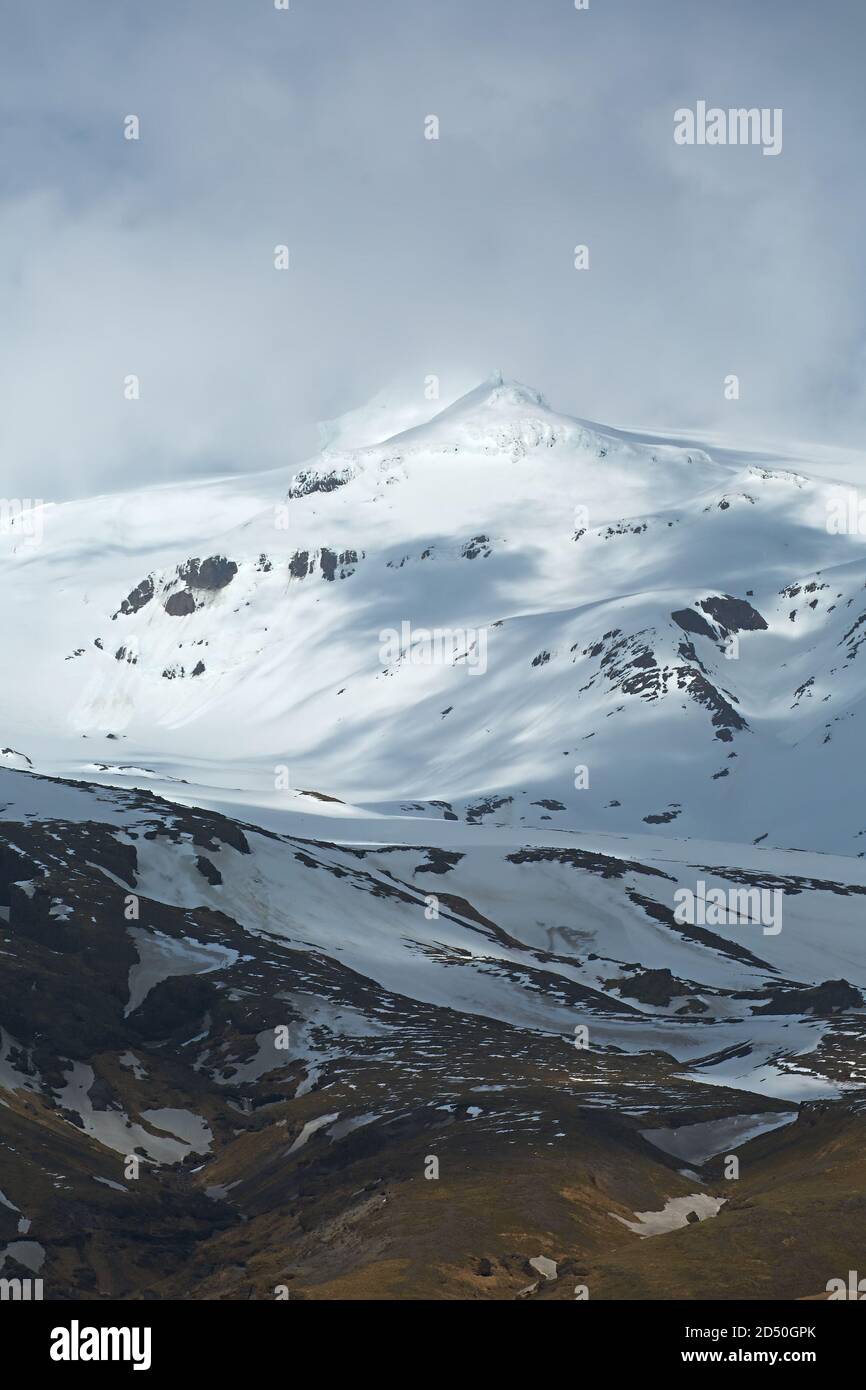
(328, 562)
(174, 1006)
(141, 595)
(439, 861)
(734, 613)
(180, 605)
(661, 817)
(479, 545)
(211, 574)
(690, 621)
(833, 996)
(602, 864)
(657, 987)
(475, 813)
(725, 717)
(307, 482)
(208, 871)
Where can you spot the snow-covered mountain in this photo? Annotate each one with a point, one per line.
(493, 729)
(644, 631)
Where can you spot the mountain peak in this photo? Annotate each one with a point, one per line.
(499, 390)
(498, 393)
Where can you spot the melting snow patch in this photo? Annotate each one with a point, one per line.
(131, 1062)
(697, 1143)
(343, 1127)
(160, 957)
(310, 1129)
(115, 1130)
(674, 1214)
(189, 1128)
(218, 1192)
(11, 1079)
(28, 1253)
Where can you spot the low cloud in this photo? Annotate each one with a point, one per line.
(412, 257)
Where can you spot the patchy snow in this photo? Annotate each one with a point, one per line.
(191, 1129)
(698, 1142)
(160, 957)
(600, 573)
(310, 1128)
(131, 1062)
(12, 1077)
(115, 1130)
(350, 1124)
(28, 1253)
(673, 1215)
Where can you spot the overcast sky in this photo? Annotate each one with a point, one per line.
(412, 257)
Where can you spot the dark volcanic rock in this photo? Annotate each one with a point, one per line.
(439, 861)
(180, 605)
(831, 997)
(176, 1005)
(690, 621)
(479, 545)
(650, 987)
(734, 613)
(308, 482)
(475, 813)
(725, 717)
(208, 871)
(140, 595)
(328, 563)
(212, 574)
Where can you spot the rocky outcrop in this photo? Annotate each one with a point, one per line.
(211, 574)
(180, 605)
(831, 997)
(137, 599)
